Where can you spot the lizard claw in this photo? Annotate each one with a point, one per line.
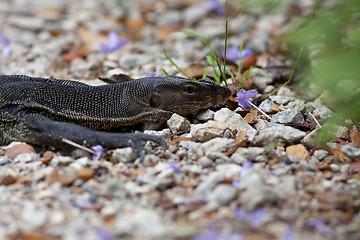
(139, 138)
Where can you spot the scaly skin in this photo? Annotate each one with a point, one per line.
(43, 111)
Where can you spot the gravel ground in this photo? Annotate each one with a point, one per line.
(227, 174)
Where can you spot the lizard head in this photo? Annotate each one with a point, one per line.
(183, 96)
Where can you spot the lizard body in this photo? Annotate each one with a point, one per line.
(40, 110)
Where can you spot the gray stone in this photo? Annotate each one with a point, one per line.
(194, 14)
(209, 130)
(251, 179)
(209, 182)
(123, 155)
(218, 145)
(334, 167)
(131, 60)
(26, 158)
(163, 133)
(205, 115)
(342, 132)
(217, 155)
(256, 197)
(61, 161)
(31, 23)
(311, 139)
(34, 216)
(205, 162)
(351, 151)
(228, 170)
(285, 91)
(243, 154)
(178, 123)
(222, 195)
(314, 161)
(279, 132)
(232, 119)
(141, 222)
(288, 116)
(281, 99)
(262, 78)
(323, 112)
(287, 187)
(298, 105)
(266, 106)
(260, 124)
(321, 154)
(189, 144)
(150, 158)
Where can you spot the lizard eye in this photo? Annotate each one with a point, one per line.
(189, 90)
(155, 101)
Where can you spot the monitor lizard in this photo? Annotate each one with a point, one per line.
(43, 111)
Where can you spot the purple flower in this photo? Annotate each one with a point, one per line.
(151, 74)
(98, 149)
(233, 54)
(103, 234)
(174, 166)
(83, 203)
(243, 98)
(5, 45)
(320, 225)
(245, 53)
(208, 235)
(214, 5)
(287, 235)
(246, 166)
(115, 43)
(214, 235)
(255, 218)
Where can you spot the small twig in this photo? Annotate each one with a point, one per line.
(261, 111)
(77, 145)
(317, 122)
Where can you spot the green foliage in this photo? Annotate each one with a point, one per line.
(332, 44)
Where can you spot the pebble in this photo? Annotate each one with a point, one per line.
(25, 158)
(297, 105)
(266, 106)
(163, 133)
(178, 123)
(256, 197)
(222, 195)
(129, 61)
(123, 155)
(260, 124)
(205, 115)
(281, 99)
(342, 132)
(209, 130)
(262, 78)
(61, 161)
(232, 119)
(277, 131)
(217, 145)
(311, 139)
(285, 91)
(194, 14)
(288, 116)
(14, 150)
(242, 154)
(351, 151)
(321, 154)
(205, 162)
